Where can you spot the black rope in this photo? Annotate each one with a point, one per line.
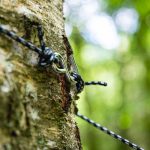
(95, 83)
(47, 56)
(41, 35)
(111, 133)
(21, 40)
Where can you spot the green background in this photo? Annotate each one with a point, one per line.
(124, 105)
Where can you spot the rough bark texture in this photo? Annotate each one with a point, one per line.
(35, 111)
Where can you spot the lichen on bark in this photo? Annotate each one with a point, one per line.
(32, 103)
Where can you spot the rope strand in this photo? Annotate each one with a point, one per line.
(21, 40)
(48, 58)
(95, 83)
(111, 133)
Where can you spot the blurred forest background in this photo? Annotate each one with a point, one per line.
(111, 42)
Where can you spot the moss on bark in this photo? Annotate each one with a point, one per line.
(32, 99)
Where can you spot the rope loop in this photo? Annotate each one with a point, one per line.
(55, 60)
(58, 63)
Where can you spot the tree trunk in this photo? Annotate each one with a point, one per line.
(35, 105)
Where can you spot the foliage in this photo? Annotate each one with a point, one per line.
(123, 106)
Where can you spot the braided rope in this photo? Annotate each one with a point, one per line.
(111, 133)
(21, 40)
(47, 56)
(31, 46)
(41, 35)
(95, 83)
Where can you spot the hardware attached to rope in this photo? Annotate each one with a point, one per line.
(55, 60)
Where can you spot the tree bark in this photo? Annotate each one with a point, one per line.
(36, 109)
